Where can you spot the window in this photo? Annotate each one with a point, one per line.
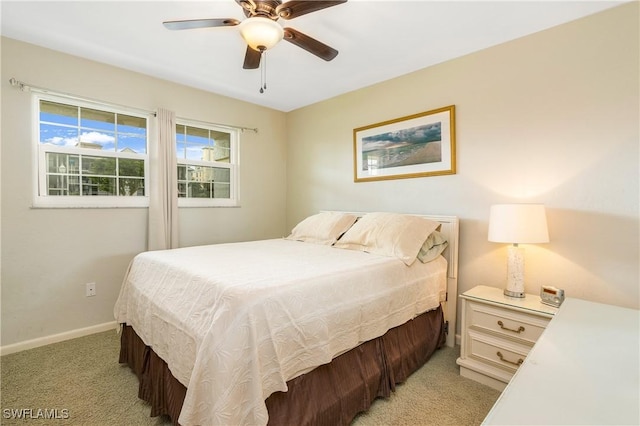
(90, 155)
(207, 165)
(95, 155)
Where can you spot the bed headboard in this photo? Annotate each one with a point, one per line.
(449, 226)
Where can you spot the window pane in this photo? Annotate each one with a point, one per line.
(73, 165)
(130, 124)
(58, 113)
(221, 190)
(127, 167)
(57, 163)
(200, 174)
(199, 190)
(182, 190)
(131, 187)
(221, 175)
(182, 172)
(197, 135)
(204, 144)
(63, 185)
(95, 119)
(221, 146)
(93, 185)
(74, 185)
(99, 166)
(132, 134)
(56, 185)
(98, 129)
(203, 182)
(62, 163)
(196, 140)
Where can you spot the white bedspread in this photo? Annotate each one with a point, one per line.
(235, 321)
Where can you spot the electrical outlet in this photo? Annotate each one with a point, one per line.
(90, 289)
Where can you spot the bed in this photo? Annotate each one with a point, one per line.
(307, 329)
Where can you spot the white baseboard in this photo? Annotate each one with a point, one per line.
(458, 339)
(55, 338)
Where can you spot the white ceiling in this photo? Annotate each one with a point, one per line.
(377, 40)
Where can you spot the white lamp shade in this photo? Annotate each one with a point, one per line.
(261, 33)
(518, 224)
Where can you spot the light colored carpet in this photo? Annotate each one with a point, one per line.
(82, 380)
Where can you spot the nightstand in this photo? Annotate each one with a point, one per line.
(498, 332)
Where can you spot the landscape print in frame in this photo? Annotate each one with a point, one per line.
(417, 145)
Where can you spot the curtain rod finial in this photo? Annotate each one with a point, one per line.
(20, 85)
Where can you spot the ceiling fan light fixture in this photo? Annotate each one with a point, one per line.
(261, 33)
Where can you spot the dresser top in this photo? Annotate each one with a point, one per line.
(584, 369)
(530, 302)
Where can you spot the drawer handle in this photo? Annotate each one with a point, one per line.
(502, 358)
(519, 330)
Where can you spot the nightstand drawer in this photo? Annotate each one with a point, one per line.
(494, 350)
(505, 322)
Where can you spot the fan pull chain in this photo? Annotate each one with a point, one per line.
(263, 71)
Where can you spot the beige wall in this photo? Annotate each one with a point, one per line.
(49, 254)
(549, 118)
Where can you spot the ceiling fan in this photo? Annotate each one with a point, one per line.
(261, 31)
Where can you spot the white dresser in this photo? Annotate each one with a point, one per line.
(585, 369)
(498, 332)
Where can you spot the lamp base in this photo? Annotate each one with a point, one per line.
(518, 294)
(515, 272)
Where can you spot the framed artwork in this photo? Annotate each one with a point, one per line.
(418, 145)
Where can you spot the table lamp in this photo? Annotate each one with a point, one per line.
(517, 224)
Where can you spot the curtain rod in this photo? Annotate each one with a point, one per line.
(30, 88)
(208, 123)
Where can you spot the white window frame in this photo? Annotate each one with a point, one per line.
(40, 197)
(233, 165)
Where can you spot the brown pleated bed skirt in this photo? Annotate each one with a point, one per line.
(332, 394)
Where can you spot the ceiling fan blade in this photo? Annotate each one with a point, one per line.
(200, 23)
(251, 59)
(294, 8)
(309, 44)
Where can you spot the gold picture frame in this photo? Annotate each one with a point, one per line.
(417, 145)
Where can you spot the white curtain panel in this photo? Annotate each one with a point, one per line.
(163, 191)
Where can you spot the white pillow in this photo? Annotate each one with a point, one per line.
(322, 228)
(389, 234)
